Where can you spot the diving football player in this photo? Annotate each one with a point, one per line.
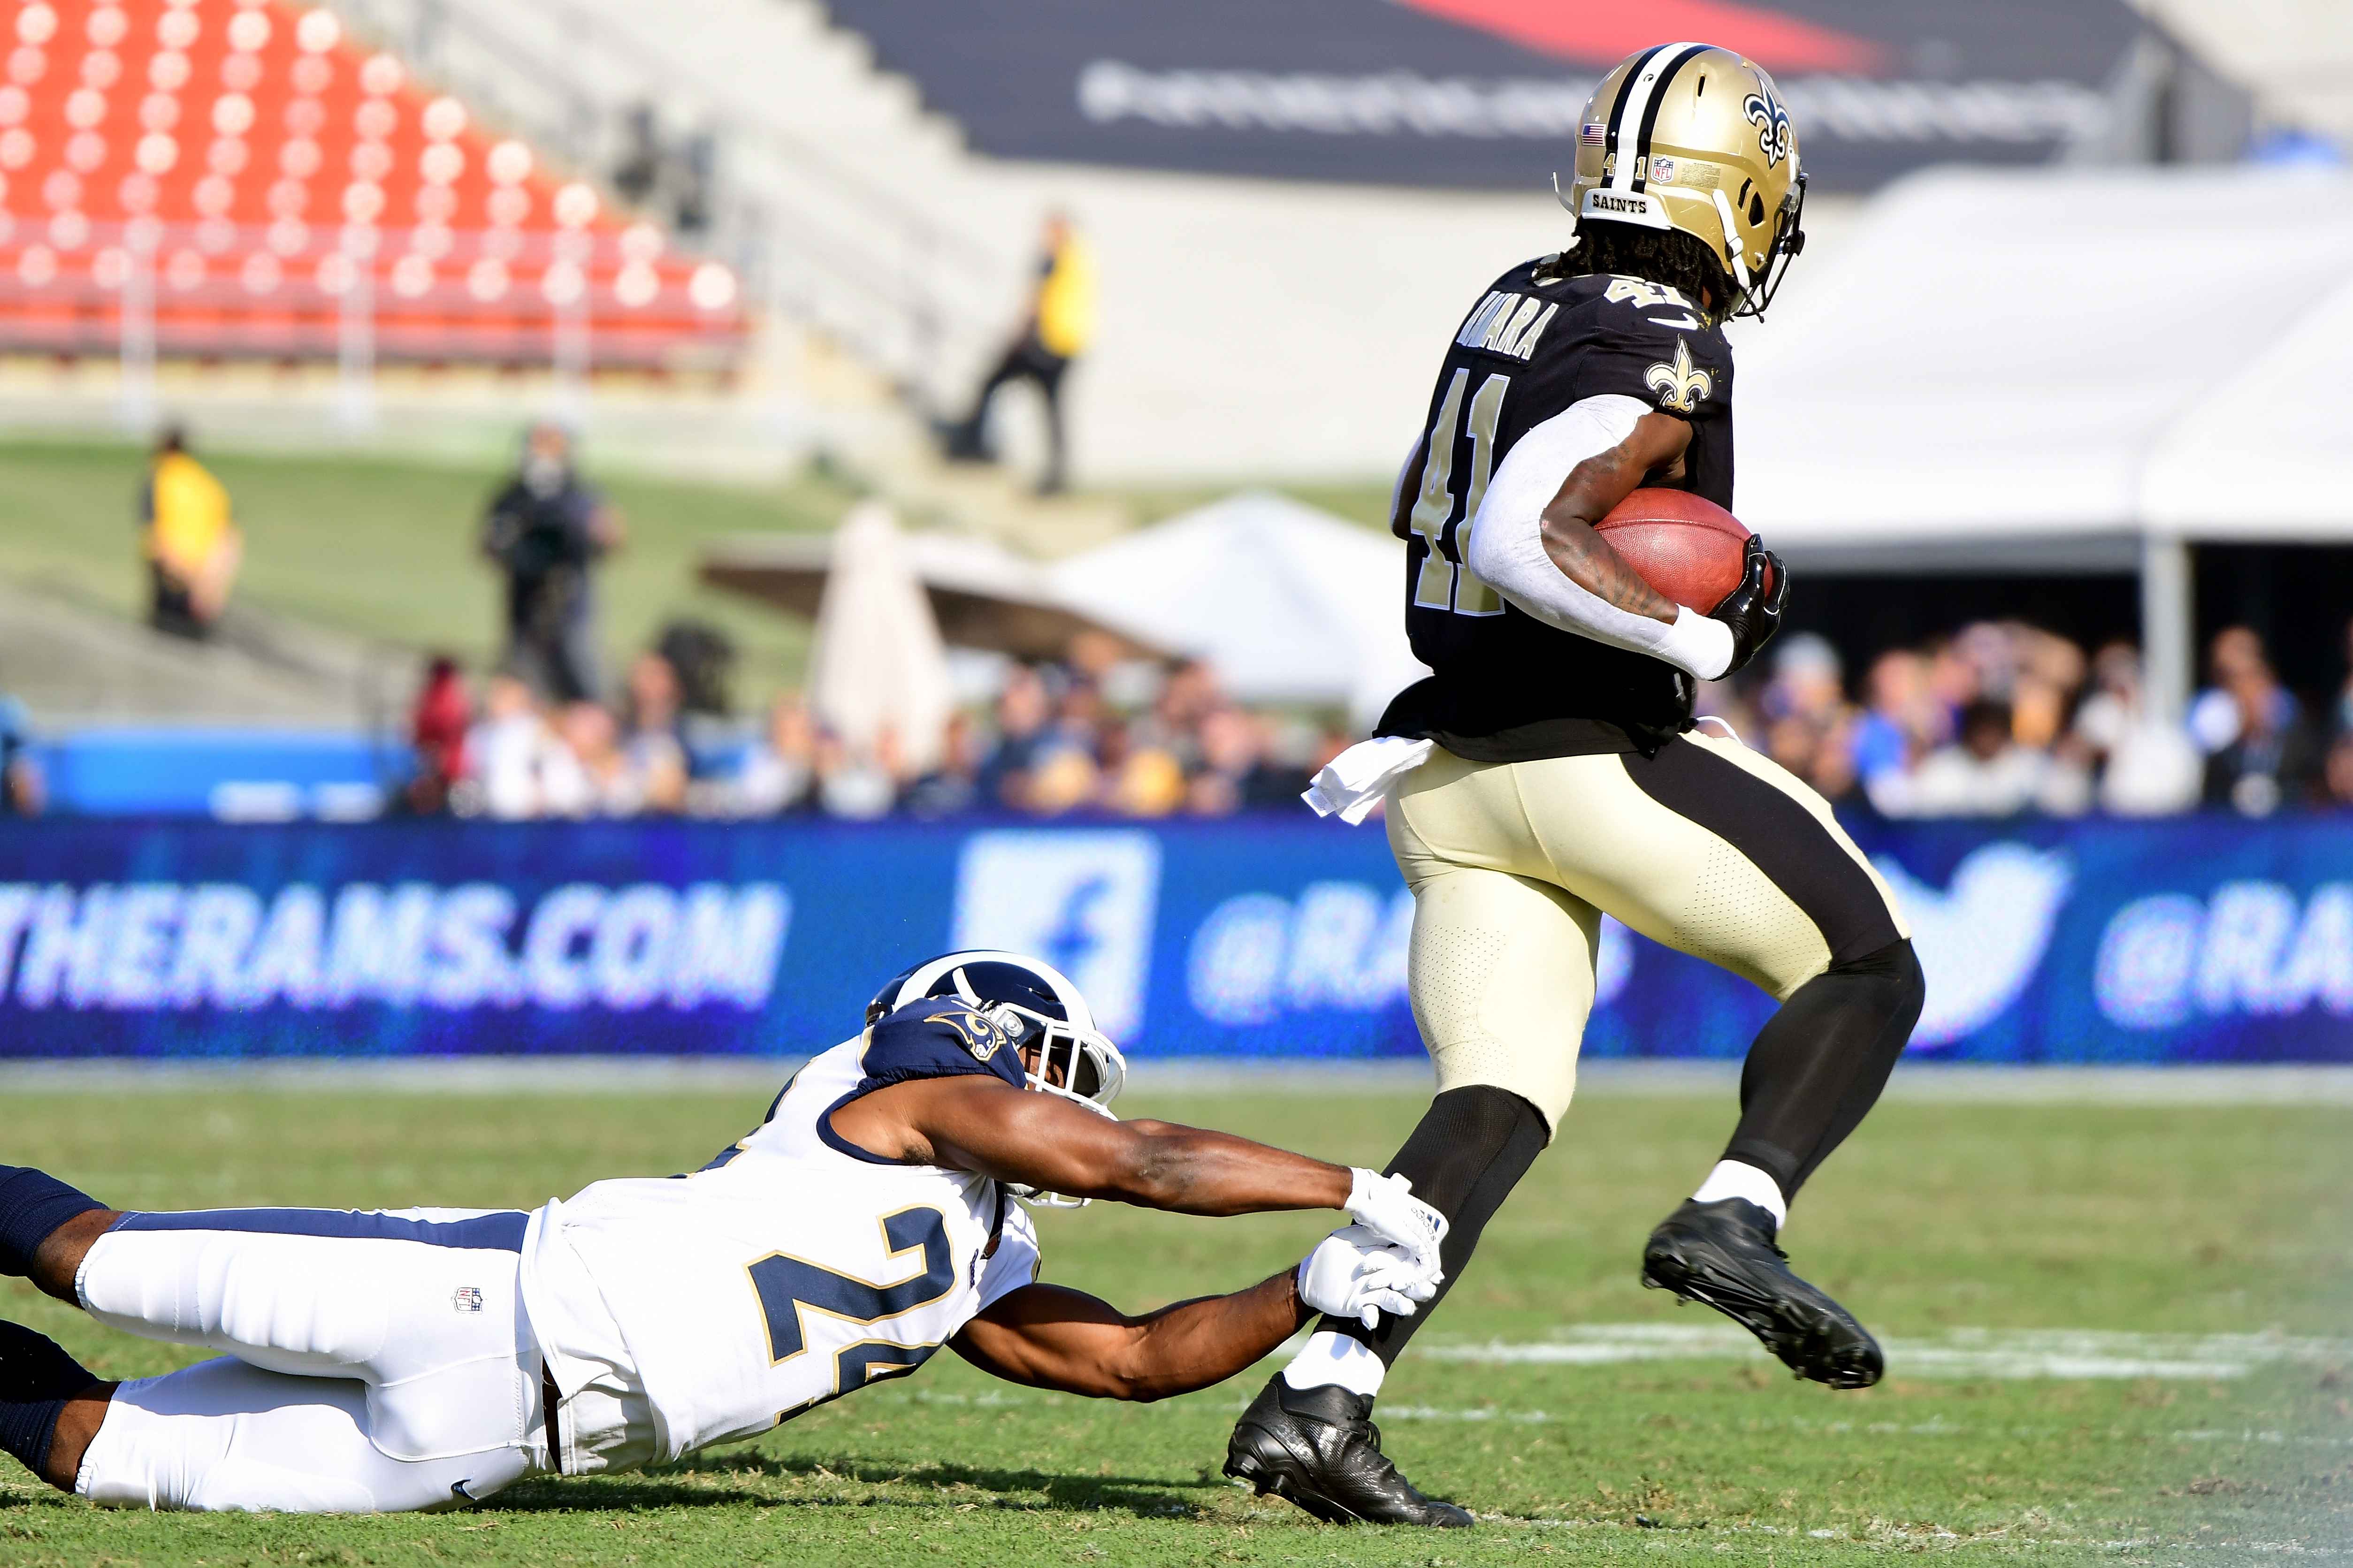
(1549, 770)
(391, 1361)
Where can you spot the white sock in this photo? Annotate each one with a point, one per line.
(1731, 1179)
(1332, 1358)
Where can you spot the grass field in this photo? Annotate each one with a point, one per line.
(1936, 1218)
(385, 549)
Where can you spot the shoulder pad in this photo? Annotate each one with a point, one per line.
(939, 1037)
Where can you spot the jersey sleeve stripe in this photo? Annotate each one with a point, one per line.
(499, 1232)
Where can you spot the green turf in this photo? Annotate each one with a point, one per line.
(386, 550)
(2189, 1220)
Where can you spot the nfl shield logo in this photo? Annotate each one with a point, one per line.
(466, 1299)
(1662, 170)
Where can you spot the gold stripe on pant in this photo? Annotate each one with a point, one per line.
(1511, 866)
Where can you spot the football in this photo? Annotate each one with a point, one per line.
(1685, 546)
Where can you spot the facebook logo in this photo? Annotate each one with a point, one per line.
(1083, 901)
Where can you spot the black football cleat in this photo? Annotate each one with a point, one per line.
(1722, 1254)
(1319, 1449)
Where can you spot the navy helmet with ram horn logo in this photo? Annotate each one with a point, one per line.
(1073, 1059)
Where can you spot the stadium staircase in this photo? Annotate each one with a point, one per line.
(887, 265)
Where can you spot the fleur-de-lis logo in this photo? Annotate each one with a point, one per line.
(1772, 122)
(1681, 386)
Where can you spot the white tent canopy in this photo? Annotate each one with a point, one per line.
(2267, 453)
(1285, 602)
(2034, 369)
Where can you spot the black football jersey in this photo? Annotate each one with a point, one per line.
(1509, 688)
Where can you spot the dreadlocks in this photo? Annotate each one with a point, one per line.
(1667, 256)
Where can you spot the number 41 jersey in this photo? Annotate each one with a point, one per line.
(797, 1267)
(1509, 688)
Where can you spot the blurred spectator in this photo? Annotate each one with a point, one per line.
(1239, 770)
(2147, 767)
(518, 768)
(23, 791)
(855, 783)
(544, 530)
(2340, 712)
(1986, 773)
(2261, 753)
(1903, 723)
(438, 730)
(2339, 770)
(651, 752)
(1056, 329)
(191, 542)
(599, 781)
(1022, 709)
(955, 785)
(1805, 714)
(778, 771)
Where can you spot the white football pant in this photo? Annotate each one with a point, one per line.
(382, 1360)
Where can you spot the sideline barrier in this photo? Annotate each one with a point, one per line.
(2202, 938)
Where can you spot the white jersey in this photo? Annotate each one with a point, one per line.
(795, 1267)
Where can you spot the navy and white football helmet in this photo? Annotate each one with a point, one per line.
(1043, 1010)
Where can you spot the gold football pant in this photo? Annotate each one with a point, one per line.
(1708, 847)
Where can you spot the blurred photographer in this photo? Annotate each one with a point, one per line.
(544, 530)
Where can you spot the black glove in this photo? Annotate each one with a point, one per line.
(1753, 614)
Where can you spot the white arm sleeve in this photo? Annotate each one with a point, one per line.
(1507, 543)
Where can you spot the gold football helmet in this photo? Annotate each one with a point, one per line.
(1692, 137)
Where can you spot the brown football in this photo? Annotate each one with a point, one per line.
(1685, 546)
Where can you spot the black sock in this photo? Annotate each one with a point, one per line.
(32, 1204)
(37, 1378)
(1471, 1149)
(1819, 1064)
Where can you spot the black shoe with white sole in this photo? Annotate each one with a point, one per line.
(1722, 1254)
(1319, 1449)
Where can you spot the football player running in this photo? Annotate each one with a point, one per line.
(1549, 770)
(391, 1361)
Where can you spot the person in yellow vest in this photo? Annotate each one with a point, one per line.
(1060, 324)
(192, 543)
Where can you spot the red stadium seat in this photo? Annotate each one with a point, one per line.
(265, 188)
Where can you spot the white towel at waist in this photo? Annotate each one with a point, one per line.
(1350, 784)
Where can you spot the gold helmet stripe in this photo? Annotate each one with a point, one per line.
(1637, 107)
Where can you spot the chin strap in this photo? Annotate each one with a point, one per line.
(1732, 243)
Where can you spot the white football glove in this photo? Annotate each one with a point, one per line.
(1352, 1273)
(1388, 1205)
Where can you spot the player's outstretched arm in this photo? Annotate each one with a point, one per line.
(986, 1126)
(982, 1125)
(1047, 1337)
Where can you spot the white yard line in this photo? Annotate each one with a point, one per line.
(1959, 1353)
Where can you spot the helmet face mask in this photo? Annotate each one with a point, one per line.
(1062, 1053)
(1695, 138)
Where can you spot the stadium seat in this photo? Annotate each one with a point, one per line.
(255, 184)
